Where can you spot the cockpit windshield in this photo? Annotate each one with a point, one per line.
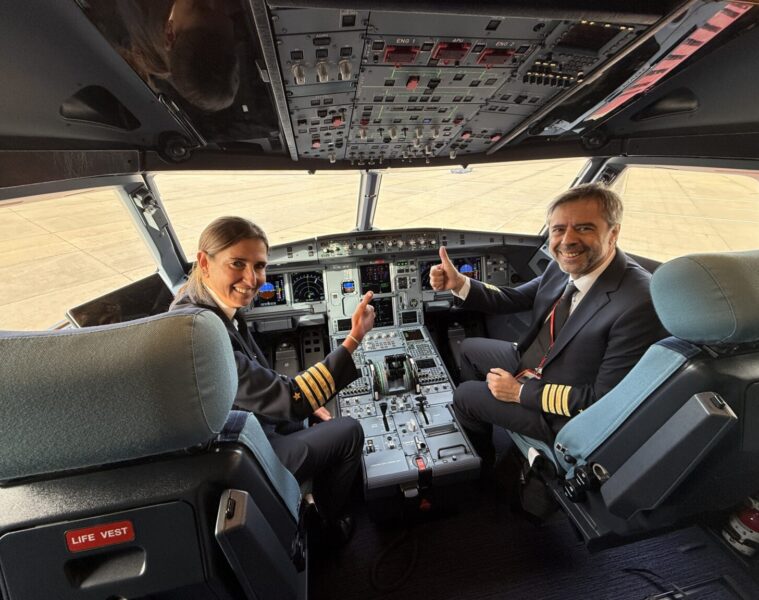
(289, 205)
(508, 197)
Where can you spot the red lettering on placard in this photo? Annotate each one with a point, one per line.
(99, 536)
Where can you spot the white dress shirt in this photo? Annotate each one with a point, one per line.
(227, 310)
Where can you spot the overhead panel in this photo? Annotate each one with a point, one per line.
(320, 58)
(375, 86)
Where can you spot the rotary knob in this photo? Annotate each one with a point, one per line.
(322, 73)
(299, 74)
(345, 69)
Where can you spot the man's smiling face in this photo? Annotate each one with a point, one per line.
(580, 238)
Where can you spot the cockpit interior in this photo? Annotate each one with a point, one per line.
(365, 139)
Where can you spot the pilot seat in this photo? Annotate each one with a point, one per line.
(119, 478)
(679, 435)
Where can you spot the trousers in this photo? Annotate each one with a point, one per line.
(477, 410)
(330, 454)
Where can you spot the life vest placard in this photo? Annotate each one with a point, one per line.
(99, 536)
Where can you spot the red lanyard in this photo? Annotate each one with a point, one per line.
(551, 319)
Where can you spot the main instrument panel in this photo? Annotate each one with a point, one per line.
(328, 276)
(403, 396)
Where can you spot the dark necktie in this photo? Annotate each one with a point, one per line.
(533, 356)
(561, 313)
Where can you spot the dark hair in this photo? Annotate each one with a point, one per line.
(204, 69)
(609, 201)
(218, 235)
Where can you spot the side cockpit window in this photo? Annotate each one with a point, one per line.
(671, 211)
(62, 251)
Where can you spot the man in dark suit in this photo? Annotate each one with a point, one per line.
(592, 319)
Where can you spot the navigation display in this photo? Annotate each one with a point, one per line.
(383, 312)
(308, 286)
(272, 293)
(469, 266)
(375, 278)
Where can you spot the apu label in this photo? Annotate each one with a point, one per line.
(98, 536)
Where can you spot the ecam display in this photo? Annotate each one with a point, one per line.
(375, 278)
(383, 311)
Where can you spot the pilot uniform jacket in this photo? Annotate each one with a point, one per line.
(268, 394)
(606, 334)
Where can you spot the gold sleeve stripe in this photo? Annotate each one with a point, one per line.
(544, 398)
(328, 376)
(565, 400)
(321, 398)
(304, 387)
(320, 380)
(557, 398)
(552, 398)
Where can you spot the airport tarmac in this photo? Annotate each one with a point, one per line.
(57, 253)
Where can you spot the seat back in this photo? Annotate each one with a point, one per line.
(677, 436)
(115, 481)
(81, 397)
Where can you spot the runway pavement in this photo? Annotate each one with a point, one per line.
(59, 252)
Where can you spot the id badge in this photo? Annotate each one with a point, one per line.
(528, 374)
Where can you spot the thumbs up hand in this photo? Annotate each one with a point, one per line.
(445, 276)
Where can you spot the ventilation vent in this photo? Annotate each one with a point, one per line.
(96, 105)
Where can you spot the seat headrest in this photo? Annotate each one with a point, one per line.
(81, 397)
(709, 298)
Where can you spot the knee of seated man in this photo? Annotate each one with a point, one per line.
(464, 393)
(467, 346)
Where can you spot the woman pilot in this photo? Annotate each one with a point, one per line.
(230, 269)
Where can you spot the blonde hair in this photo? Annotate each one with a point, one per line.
(218, 235)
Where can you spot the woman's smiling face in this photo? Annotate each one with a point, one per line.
(236, 273)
